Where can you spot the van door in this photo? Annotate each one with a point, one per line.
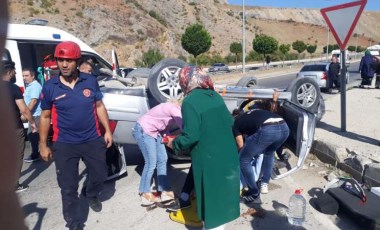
(29, 54)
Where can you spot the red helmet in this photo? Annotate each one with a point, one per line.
(68, 50)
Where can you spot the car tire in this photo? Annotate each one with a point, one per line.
(305, 93)
(248, 82)
(321, 108)
(163, 82)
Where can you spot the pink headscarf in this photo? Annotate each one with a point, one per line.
(191, 77)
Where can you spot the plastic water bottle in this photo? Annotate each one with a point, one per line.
(297, 208)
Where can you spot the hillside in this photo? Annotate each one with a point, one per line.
(133, 26)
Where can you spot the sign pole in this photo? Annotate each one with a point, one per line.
(343, 91)
(342, 19)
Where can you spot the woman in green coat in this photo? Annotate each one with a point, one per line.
(207, 133)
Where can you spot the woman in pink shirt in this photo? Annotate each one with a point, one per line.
(148, 133)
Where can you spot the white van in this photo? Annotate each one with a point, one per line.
(28, 45)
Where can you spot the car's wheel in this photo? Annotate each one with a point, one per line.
(163, 82)
(248, 82)
(321, 108)
(305, 93)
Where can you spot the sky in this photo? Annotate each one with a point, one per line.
(372, 5)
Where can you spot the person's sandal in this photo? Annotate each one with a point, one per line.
(167, 196)
(148, 199)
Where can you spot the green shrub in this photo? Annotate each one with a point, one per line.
(46, 4)
(135, 3)
(154, 15)
(150, 58)
(182, 57)
(230, 58)
(33, 11)
(79, 14)
(230, 13)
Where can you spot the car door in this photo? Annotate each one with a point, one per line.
(301, 124)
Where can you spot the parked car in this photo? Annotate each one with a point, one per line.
(219, 67)
(318, 72)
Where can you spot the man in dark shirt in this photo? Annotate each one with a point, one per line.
(11, 215)
(333, 75)
(265, 132)
(19, 108)
(73, 102)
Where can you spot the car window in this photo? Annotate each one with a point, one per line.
(313, 68)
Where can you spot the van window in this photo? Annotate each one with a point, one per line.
(32, 54)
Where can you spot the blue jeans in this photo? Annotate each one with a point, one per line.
(154, 154)
(262, 167)
(256, 167)
(266, 140)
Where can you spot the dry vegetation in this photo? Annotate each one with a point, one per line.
(134, 26)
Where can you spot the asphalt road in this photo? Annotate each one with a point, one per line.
(121, 204)
(282, 81)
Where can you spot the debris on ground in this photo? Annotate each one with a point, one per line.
(254, 212)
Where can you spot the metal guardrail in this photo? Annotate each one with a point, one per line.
(289, 63)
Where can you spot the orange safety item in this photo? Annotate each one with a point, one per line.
(68, 50)
(165, 139)
(50, 62)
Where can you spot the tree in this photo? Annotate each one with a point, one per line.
(264, 45)
(361, 49)
(149, 58)
(331, 48)
(196, 40)
(311, 49)
(299, 46)
(236, 48)
(284, 49)
(351, 48)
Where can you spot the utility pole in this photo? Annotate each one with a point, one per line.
(243, 31)
(328, 43)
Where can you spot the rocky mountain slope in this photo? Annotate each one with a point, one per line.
(134, 26)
